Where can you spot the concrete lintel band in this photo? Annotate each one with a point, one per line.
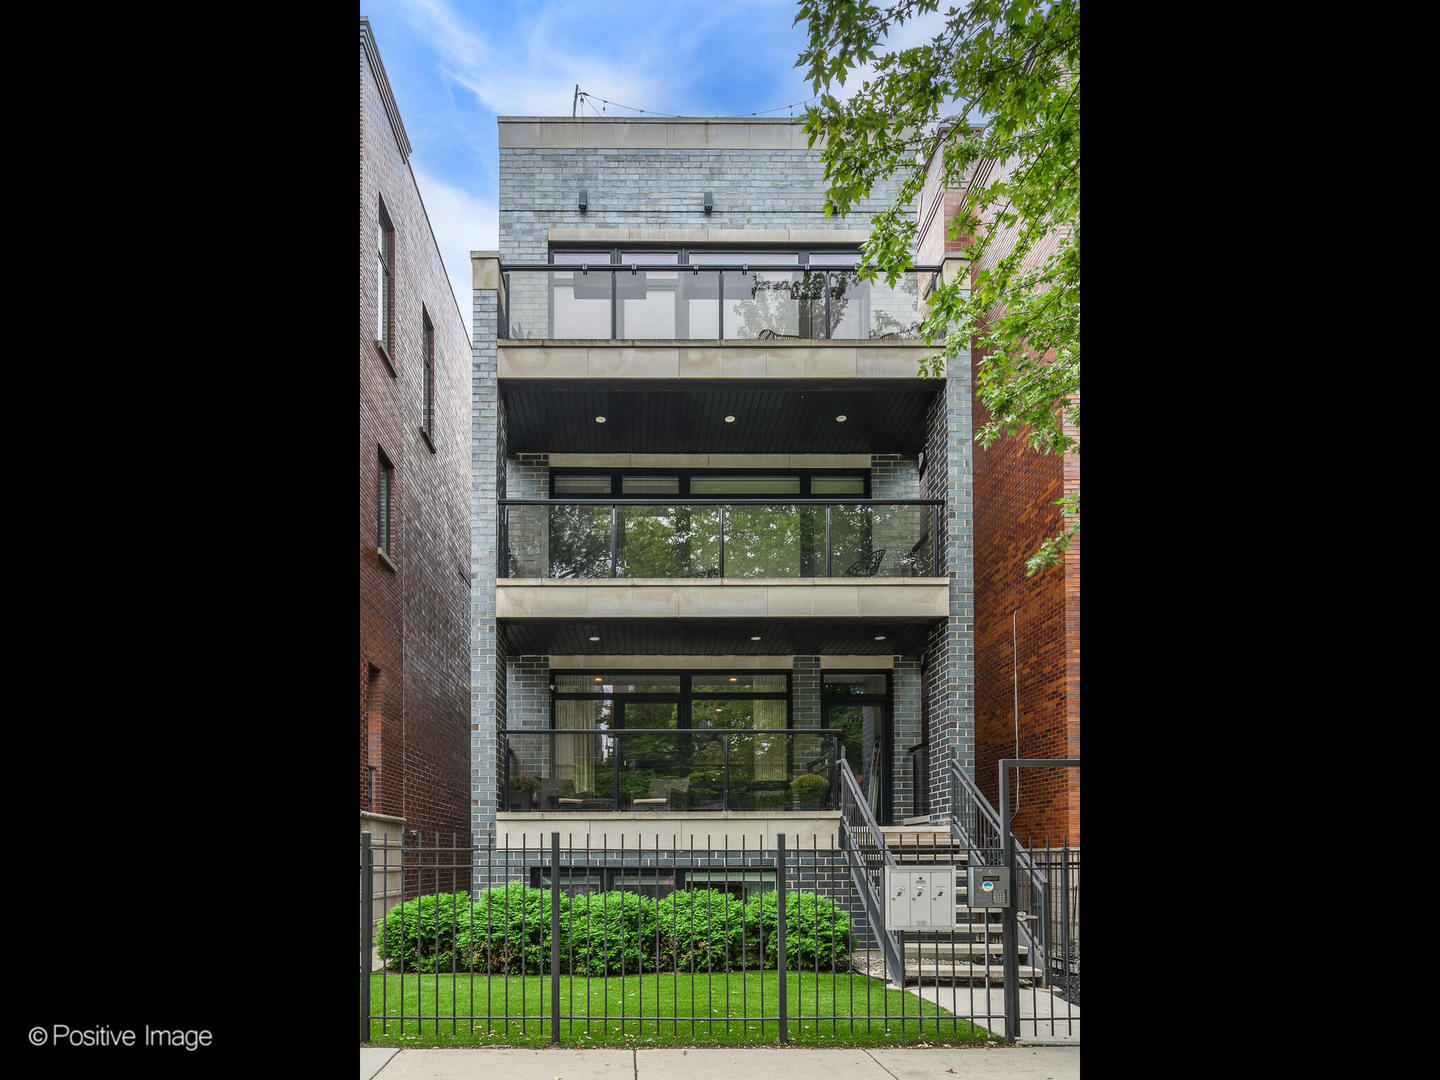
(702, 461)
(716, 663)
(609, 237)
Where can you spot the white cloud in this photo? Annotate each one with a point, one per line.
(531, 73)
(462, 223)
(642, 57)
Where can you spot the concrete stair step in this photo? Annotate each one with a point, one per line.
(940, 952)
(963, 972)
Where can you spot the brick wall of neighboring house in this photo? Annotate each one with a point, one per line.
(414, 619)
(1015, 489)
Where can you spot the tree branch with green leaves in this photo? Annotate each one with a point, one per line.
(1015, 64)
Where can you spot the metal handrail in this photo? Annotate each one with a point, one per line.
(694, 268)
(857, 826)
(991, 853)
(687, 500)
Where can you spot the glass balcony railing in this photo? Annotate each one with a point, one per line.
(708, 303)
(669, 770)
(747, 538)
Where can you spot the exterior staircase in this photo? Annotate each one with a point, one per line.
(974, 952)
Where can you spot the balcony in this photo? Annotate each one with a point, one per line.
(679, 770)
(716, 302)
(739, 540)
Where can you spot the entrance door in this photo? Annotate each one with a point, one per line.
(859, 706)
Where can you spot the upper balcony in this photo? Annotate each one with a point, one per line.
(713, 298)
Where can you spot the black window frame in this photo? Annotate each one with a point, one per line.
(617, 477)
(682, 253)
(427, 401)
(385, 251)
(385, 505)
(683, 696)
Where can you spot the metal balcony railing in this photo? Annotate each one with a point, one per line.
(739, 538)
(692, 302)
(669, 769)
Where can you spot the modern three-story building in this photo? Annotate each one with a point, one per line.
(721, 540)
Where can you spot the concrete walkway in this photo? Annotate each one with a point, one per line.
(750, 1063)
(1044, 1017)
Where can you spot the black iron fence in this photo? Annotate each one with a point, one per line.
(737, 538)
(666, 770)
(548, 938)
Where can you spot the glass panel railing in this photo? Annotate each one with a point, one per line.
(667, 541)
(881, 541)
(766, 304)
(697, 303)
(780, 541)
(664, 769)
(750, 540)
(578, 541)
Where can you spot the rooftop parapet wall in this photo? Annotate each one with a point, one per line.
(653, 173)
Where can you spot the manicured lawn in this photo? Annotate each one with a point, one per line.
(831, 997)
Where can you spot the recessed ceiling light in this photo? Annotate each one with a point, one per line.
(841, 418)
(599, 419)
(733, 679)
(879, 637)
(729, 419)
(719, 710)
(595, 638)
(756, 638)
(598, 679)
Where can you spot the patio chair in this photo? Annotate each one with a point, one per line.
(869, 566)
(662, 794)
(551, 791)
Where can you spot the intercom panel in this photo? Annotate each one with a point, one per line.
(988, 887)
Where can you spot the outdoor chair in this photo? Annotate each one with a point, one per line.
(662, 794)
(551, 791)
(869, 566)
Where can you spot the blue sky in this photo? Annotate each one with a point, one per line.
(454, 65)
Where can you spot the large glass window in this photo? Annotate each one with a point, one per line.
(666, 760)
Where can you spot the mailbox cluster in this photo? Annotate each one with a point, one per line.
(920, 898)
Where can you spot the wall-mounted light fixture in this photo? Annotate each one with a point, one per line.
(583, 200)
(709, 201)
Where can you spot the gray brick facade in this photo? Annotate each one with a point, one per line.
(758, 189)
(487, 653)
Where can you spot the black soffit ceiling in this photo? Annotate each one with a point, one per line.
(769, 419)
(714, 637)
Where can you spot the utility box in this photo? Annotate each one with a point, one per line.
(920, 898)
(988, 887)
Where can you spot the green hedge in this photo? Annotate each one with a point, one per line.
(423, 930)
(817, 930)
(608, 933)
(511, 931)
(506, 931)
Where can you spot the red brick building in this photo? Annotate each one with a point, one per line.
(1027, 630)
(413, 476)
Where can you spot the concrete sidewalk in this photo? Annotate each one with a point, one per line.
(751, 1063)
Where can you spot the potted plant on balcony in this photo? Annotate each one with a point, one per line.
(526, 786)
(809, 790)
